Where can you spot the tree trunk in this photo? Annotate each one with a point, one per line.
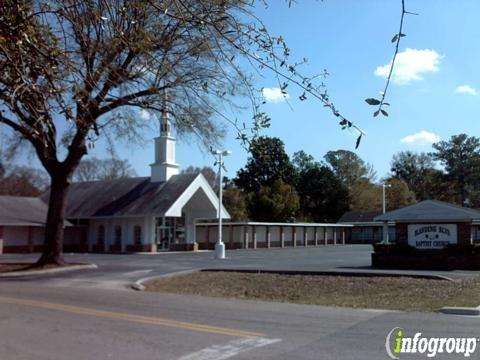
(53, 251)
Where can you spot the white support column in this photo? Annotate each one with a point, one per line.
(305, 236)
(282, 237)
(267, 236)
(334, 236)
(151, 234)
(471, 234)
(245, 236)
(343, 236)
(254, 230)
(325, 240)
(294, 236)
(315, 235)
(385, 238)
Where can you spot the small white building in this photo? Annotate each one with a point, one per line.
(122, 215)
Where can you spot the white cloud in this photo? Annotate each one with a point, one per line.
(274, 95)
(145, 114)
(421, 138)
(410, 64)
(465, 89)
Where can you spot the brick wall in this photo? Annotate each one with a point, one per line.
(401, 233)
(464, 231)
(142, 248)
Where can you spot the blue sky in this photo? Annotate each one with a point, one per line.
(433, 95)
(351, 39)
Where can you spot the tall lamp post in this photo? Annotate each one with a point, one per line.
(385, 224)
(219, 245)
(383, 198)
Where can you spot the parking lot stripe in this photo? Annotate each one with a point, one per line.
(233, 348)
(129, 317)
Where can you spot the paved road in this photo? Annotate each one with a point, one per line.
(60, 323)
(83, 315)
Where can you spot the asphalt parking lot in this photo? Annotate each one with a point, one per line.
(120, 271)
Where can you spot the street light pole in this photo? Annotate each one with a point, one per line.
(383, 199)
(219, 245)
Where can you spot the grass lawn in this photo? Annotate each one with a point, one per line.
(392, 293)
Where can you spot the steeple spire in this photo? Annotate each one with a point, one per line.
(165, 124)
(164, 166)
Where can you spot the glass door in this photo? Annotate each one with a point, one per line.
(166, 233)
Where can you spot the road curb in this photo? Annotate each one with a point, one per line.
(334, 273)
(138, 285)
(17, 274)
(465, 311)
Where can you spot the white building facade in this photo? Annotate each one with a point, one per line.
(142, 214)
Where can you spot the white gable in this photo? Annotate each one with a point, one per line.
(200, 183)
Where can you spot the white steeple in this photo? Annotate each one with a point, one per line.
(164, 166)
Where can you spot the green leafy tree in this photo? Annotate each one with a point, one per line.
(323, 197)
(235, 201)
(278, 202)
(365, 196)
(349, 167)
(419, 173)
(398, 194)
(303, 161)
(460, 157)
(267, 163)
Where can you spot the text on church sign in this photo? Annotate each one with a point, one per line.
(431, 236)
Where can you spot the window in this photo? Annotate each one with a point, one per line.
(101, 235)
(137, 235)
(118, 235)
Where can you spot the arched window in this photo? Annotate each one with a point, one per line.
(101, 235)
(118, 235)
(137, 235)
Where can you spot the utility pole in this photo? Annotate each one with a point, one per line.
(219, 245)
(383, 199)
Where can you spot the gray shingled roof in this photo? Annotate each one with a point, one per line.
(22, 211)
(124, 197)
(358, 216)
(431, 210)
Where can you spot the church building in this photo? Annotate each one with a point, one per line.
(141, 214)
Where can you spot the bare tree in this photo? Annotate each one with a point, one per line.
(210, 174)
(22, 181)
(73, 71)
(94, 169)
